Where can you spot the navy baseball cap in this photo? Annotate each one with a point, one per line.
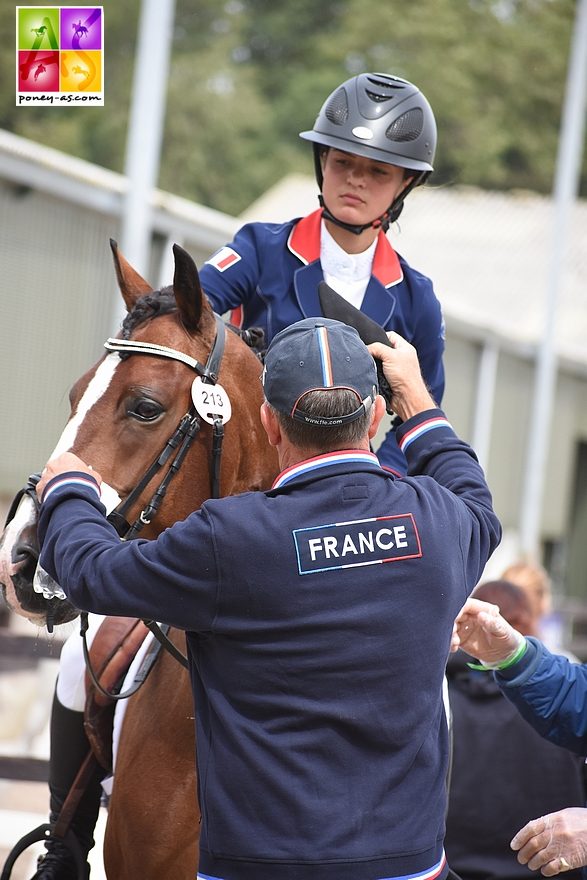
(318, 354)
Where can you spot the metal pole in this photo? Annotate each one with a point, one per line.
(145, 134)
(566, 186)
(485, 397)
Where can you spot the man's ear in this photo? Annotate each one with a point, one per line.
(377, 413)
(271, 424)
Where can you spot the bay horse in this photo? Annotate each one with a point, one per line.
(123, 411)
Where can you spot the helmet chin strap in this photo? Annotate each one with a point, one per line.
(380, 223)
(386, 219)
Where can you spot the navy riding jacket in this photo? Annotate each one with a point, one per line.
(269, 276)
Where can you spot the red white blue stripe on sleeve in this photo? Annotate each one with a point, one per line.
(421, 429)
(68, 480)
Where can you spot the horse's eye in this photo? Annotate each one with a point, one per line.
(144, 409)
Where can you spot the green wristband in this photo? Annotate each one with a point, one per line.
(497, 667)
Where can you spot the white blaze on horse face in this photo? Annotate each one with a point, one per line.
(96, 389)
(24, 518)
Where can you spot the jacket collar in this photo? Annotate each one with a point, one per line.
(304, 243)
(330, 462)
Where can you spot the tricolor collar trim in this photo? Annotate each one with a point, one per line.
(352, 456)
(304, 243)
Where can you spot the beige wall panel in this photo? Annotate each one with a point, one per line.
(57, 288)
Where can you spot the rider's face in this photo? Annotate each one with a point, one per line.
(359, 190)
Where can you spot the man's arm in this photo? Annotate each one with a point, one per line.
(547, 689)
(149, 579)
(433, 449)
(401, 367)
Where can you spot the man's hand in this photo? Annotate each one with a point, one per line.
(554, 843)
(402, 370)
(63, 464)
(482, 632)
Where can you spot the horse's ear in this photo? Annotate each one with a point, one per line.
(187, 289)
(131, 284)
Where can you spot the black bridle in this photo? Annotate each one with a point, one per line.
(181, 439)
(178, 444)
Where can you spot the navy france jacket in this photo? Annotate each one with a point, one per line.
(318, 617)
(269, 277)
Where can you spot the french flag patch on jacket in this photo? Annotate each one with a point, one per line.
(224, 258)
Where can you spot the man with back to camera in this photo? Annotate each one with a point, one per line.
(326, 755)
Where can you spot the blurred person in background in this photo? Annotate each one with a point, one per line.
(550, 692)
(503, 773)
(535, 581)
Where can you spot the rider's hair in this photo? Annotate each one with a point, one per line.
(328, 403)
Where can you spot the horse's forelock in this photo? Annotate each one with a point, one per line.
(151, 305)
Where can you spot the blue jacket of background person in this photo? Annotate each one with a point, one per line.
(550, 691)
(269, 275)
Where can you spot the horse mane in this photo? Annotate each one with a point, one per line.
(151, 305)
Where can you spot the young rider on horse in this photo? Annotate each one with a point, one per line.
(374, 140)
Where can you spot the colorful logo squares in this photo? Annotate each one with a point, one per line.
(59, 54)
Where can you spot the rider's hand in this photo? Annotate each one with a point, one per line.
(63, 464)
(402, 370)
(554, 843)
(482, 632)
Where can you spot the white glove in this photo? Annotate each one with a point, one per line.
(482, 632)
(554, 843)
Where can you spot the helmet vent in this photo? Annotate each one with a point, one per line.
(337, 110)
(407, 127)
(378, 98)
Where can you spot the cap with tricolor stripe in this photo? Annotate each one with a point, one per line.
(318, 354)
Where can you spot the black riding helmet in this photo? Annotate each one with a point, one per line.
(379, 117)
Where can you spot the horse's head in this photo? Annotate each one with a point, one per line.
(151, 420)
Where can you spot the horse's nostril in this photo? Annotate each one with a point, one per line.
(25, 555)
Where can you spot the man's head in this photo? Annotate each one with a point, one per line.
(320, 386)
(514, 604)
(534, 580)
